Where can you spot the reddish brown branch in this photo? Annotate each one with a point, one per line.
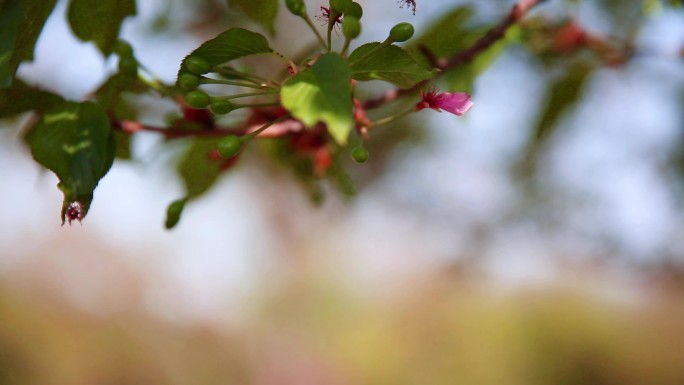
(131, 126)
(518, 11)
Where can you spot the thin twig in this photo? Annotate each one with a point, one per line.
(518, 11)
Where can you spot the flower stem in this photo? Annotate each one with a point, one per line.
(308, 21)
(392, 118)
(247, 94)
(206, 80)
(268, 104)
(345, 48)
(256, 132)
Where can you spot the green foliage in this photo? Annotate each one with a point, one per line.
(229, 45)
(377, 61)
(174, 212)
(21, 97)
(262, 11)
(99, 21)
(322, 93)
(75, 141)
(21, 22)
(198, 169)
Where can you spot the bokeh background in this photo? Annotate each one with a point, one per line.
(450, 265)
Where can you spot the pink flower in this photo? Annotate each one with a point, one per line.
(457, 102)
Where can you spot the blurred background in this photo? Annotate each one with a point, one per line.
(538, 239)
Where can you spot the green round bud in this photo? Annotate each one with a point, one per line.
(359, 154)
(197, 65)
(351, 27)
(197, 99)
(123, 49)
(173, 213)
(128, 66)
(297, 7)
(340, 6)
(229, 146)
(355, 10)
(401, 32)
(222, 107)
(188, 81)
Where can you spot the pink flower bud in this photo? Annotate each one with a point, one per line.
(457, 102)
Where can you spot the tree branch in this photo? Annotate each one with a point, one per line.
(519, 10)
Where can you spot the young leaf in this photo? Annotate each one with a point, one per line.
(230, 45)
(322, 93)
(75, 141)
(20, 25)
(373, 61)
(99, 21)
(21, 97)
(198, 170)
(261, 11)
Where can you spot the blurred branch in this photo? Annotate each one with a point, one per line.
(518, 11)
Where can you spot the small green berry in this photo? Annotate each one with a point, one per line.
(351, 27)
(222, 107)
(229, 146)
(355, 10)
(359, 154)
(173, 213)
(197, 65)
(197, 99)
(123, 49)
(340, 6)
(401, 32)
(188, 81)
(128, 66)
(297, 7)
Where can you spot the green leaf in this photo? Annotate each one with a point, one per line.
(76, 142)
(21, 97)
(230, 45)
(375, 61)
(262, 11)
(11, 17)
(37, 12)
(20, 24)
(562, 95)
(99, 21)
(322, 93)
(198, 170)
(110, 96)
(174, 212)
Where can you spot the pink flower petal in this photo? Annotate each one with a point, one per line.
(457, 103)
